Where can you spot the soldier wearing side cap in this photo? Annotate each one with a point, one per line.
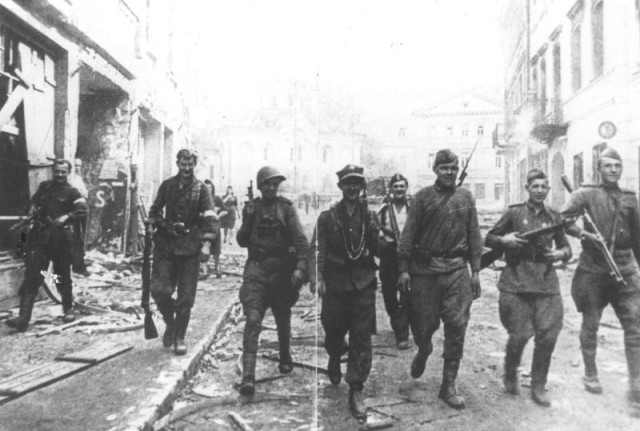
(275, 270)
(347, 240)
(393, 215)
(615, 213)
(440, 241)
(530, 302)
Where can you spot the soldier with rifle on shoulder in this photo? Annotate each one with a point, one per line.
(530, 303)
(607, 270)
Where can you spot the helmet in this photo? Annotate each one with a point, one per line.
(268, 173)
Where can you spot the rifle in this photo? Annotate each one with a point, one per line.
(536, 235)
(601, 244)
(150, 330)
(250, 191)
(463, 174)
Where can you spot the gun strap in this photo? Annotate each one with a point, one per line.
(612, 245)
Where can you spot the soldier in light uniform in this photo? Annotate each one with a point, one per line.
(440, 245)
(530, 301)
(183, 238)
(615, 212)
(393, 215)
(275, 270)
(347, 240)
(55, 207)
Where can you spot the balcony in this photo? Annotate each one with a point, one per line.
(548, 120)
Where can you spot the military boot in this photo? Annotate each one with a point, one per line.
(167, 311)
(181, 324)
(539, 372)
(333, 370)
(356, 403)
(511, 378)
(420, 361)
(285, 364)
(590, 379)
(633, 395)
(248, 384)
(448, 391)
(21, 323)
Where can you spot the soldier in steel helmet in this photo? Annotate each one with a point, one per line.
(275, 270)
(344, 275)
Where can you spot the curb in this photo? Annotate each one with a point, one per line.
(162, 401)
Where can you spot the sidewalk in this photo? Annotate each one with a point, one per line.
(127, 392)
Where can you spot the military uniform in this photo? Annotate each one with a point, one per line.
(349, 302)
(277, 247)
(615, 212)
(186, 223)
(46, 242)
(530, 302)
(395, 302)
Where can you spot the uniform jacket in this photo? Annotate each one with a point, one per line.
(191, 206)
(388, 240)
(608, 206)
(339, 272)
(527, 271)
(53, 200)
(275, 239)
(451, 236)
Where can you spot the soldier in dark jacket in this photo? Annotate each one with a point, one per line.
(530, 301)
(393, 215)
(347, 240)
(615, 212)
(275, 270)
(55, 207)
(440, 241)
(183, 238)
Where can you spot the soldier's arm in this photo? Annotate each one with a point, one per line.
(373, 233)
(414, 215)
(501, 228)
(318, 244)
(155, 211)
(474, 237)
(562, 244)
(244, 233)
(573, 209)
(634, 223)
(298, 239)
(208, 211)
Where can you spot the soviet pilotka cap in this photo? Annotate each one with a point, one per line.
(610, 153)
(444, 157)
(350, 171)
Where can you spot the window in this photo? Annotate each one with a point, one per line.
(557, 72)
(480, 131)
(498, 191)
(450, 130)
(597, 35)
(266, 152)
(292, 153)
(465, 131)
(578, 170)
(479, 191)
(463, 160)
(325, 154)
(401, 132)
(576, 47)
(543, 86)
(498, 161)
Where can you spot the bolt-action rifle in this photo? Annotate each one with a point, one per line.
(150, 330)
(601, 244)
(535, 237)
(250, 191)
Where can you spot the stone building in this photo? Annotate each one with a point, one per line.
(90, 80)
(571, 89)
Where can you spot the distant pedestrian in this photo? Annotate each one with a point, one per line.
(216, 246)
(393, 215)
(530, 301)
(615, 213)
(275, 270)
(228, 221)
(55, 206)
(347, 241)
(183, 214)
(440, 241)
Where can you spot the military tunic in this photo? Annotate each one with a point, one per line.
(350, 280)
(437, 245)
(46, 242)
(592, 287)
(530, 302)
(277, 247)
(187, 222)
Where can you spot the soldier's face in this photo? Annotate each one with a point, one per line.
(185, 167)
(399, 190)
(351, 188)
(60, 173)
(269, 189)
(610, 169)
(538, 190)
(447, 173)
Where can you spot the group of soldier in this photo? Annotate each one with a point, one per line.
(430, 251)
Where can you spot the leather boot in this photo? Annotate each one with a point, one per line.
(419, 362)
(285, 364)
(591, 382)
(511, 378)
(248, 384)
(181, 324)
(356, 403)
(448, 391)
(539, 372)
(21, 323)
(333, 370)
(167, 311)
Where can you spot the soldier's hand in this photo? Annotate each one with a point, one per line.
(248, 210)
(318, 287)
(205, 252)
(297, 278)
(554, 255)
(588, 236)
(61, 220)
(513, 240)
(475, 285)
(404, 282)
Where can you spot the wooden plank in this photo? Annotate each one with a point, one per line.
(37, 378)
(96, 354)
